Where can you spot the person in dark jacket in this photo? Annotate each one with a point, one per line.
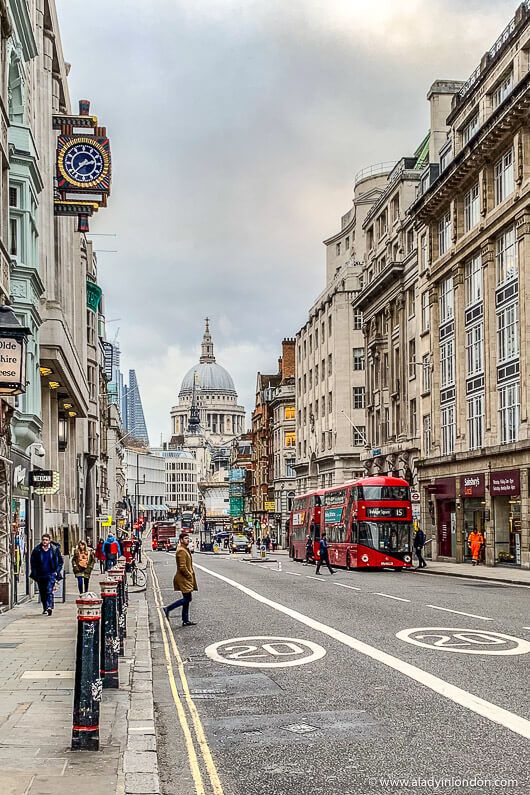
(418, 544)
(111, 551)
(324, 555)
(308, 550)
(46, 563)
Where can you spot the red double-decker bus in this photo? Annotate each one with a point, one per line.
(368, 523)
(376, 529)
(304, 519)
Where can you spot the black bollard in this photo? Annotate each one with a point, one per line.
(110, 643)
(87, 686)
(120, 605)
(124, 565)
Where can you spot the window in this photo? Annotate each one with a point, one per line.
(347, 243)
(471, 208)
(382, 225)
(13, 196)
(323, 405)
(473, 279)
(289, 412)
(359, 435)
(323, 330)
(446, 158)
(509, 413)
(423, 252)
(357, 319)
(411, 302)
(475, 422)
(412, 358)
(413, 424)
(13, 236)
(502, 90)
(310, 343)
(508, 333)
(330, 402)
(358, 397)
(310, 379)
(446, 300)
(425, 312)
(410, 241)
(316, 337)
(444, 233)
(358, 358)
(395, 208)
(337, 249)
(427, 434)
(506, 256)
(474, 349)
(384, 371)
(426, 372)
(370, 238)
(316, 374)
(323, 441)
(448, 429)
(330, 364)
(323, 370)
(290, 439)
(470, 129)
(447, 363)
(504, 176)
(330, 326)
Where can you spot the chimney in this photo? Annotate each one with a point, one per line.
(440, 97)
(288, 358)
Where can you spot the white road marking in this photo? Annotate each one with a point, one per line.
(238, 651)
(309, 577)
(389, 596)
(293, 573)
(515, 723)
(462, 641)
(459, 612)
(343, 585)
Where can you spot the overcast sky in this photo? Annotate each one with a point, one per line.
(236, 128)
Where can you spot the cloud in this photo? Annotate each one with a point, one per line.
(237, 127)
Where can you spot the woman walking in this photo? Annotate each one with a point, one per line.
(83, 560)
(183, 581)
(100, 556)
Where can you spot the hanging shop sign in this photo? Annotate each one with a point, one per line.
(44, 481)
(505, 483)
(83, 165)
(270, 506)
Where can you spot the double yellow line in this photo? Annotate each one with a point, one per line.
(199, 737)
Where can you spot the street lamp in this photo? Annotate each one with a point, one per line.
(13, 347)
(62, 432)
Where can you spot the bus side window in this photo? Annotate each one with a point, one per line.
(318, 501)
(354, 532)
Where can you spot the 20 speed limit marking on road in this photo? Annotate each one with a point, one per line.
(464, 641)
(265, 651)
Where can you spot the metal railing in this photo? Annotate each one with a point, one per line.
(375, 170)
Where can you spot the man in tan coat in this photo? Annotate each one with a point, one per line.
(183, 581)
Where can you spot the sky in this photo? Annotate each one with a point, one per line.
(237, 128)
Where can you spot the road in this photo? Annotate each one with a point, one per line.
(370, 712)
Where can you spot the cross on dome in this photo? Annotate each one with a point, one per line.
(207, 354)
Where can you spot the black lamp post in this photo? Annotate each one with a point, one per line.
(13, 347)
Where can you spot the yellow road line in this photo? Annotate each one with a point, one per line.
(192, 756)
(197, 723)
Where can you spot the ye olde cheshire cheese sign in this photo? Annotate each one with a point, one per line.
(11, 362)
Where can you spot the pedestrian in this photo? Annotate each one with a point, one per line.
(418, 544)
(475, 541)
(267, 542)
(308, 550)
(46, 563)
(100, 555)
(324, 555)
(183, 581)
(111, 551)
(83, 559)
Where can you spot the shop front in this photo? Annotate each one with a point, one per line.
(445, 495)
(472, 494)
(505, 492)
(20, 527)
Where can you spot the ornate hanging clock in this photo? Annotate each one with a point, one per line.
(83, 165)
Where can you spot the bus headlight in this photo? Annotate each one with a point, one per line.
(364, 558)
(407, 558)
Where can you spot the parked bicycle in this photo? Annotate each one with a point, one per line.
(137, 574)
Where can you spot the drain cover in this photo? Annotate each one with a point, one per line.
(301, 728)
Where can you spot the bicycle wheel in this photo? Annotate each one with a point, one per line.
(140, 578)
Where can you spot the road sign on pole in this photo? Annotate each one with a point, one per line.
(415, 496)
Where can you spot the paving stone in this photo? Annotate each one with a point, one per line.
(140, 762)
(14, 784)
(66, 785)
(141, 784)
(141, 742)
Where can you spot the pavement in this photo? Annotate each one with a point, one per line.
(361, 683)
(37, 655)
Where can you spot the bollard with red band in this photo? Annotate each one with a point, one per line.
(87, 686)
(110, 643)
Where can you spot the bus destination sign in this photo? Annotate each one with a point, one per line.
(375, 512)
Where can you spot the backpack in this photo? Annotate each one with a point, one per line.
(113, 548)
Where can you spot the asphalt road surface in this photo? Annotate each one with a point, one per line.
(360, 682)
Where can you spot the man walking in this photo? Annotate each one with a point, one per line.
(418, 544)
(308, 550)
(324, 555)
(183, 581)
(46, 563)
(475, 541)
(111, 551)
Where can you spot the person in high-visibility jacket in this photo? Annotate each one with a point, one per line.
(475, 541)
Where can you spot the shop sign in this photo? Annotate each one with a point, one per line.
(504, 483)
(270, 506)
(473, 485)
(44, 481)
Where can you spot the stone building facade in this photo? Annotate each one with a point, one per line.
(475, 213)
(330, 356)
(283, 437)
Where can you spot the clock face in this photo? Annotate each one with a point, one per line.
(83, 163)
